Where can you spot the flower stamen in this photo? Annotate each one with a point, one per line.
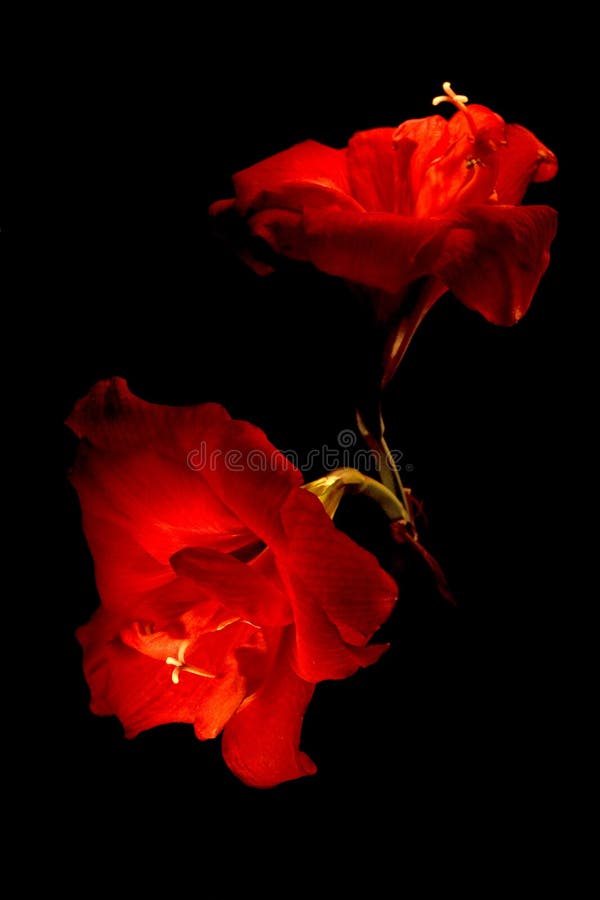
(457, 100)
(180, 665)
(449, 96)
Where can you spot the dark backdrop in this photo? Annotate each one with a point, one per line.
(448, 734)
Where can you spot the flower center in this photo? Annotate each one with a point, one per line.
(180, 666)
(457, 100)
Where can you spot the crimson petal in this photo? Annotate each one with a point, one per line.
(251, 477)
(308, 166)
(372, 169)
(417, 143)
(494, 262)
(260, 742)
(140, 691)
(161, 502)
(239, 587)
(111, 418)
(340, 594)
(131, 583)
(522, 160)
(378, 250)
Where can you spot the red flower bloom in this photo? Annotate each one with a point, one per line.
(227, 592)
(431, 198)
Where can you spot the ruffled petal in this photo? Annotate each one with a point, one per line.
(111, 418)
(261, 741)
(240, 588)
(139, 471)
(466, 171)
(417, 143)
(488, 125)
(340, 594)
(377, 250)
(495, 260)
(307, 173)
(524, 159)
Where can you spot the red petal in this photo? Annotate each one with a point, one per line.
(239, 587)
(466, 170)
(305, 173)
(159, 500)
(340, 594)
(489, 126)
(131, 583)
(202, 629)
(110, 417)
(378, 250)
(251, 477)
(260, 742)
(372, 169)
(495, 261)
(417, 143)
(140, 690)
(524, 159)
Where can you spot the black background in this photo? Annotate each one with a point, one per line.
(446, 739)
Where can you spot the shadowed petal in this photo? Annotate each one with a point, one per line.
(310, 166)
(111, 418)
(417, 143)
(340, 594)
(251, 477)
(494, 263)
(372, 169)
(523, 160)
(378, 250)
(240, 588)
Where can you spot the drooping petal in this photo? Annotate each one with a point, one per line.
(340, 594)
(377, 250)
(240, 588)
(524, 159)
(305, 173)
(261, 740)
(494, 262)
(251, 477)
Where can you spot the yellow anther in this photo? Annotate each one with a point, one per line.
(179, 665)
(449, 96)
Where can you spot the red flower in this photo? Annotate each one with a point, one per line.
(431, 198)
(227, 592)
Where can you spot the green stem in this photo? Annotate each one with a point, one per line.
(388, 471)
(352, 481)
